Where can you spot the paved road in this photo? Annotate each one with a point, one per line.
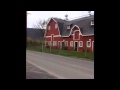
(33, 72)
(60, 66)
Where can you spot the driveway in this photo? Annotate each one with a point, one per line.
(60, 66)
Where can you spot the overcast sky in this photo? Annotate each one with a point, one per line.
(34, 16)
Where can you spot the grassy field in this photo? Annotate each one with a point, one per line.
(73, 54)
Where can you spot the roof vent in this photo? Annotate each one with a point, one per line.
(68, 26)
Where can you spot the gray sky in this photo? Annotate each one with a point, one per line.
(34, 16)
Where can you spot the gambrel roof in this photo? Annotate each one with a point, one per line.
(83, 23)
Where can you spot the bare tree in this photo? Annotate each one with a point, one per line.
(41, 25)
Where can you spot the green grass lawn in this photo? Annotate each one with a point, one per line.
(73, 54)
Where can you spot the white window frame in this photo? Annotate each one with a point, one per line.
(66, 43)
(49, 43)
(68, 26)
(70, 43)
(92, 22)
(87, 43)
(48, 27)
(81, 42)
(56, 26)
(54, 43)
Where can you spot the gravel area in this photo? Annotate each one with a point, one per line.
(33, 72)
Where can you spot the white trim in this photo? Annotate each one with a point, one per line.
(57, 36)
(88, 35)
(51, 36)
(48, 36)
(56, 25)
(70, 31)
(48, 27)
(80, 42)
(54, 43)
(92, 22)
(92, 45)
(65, 43)
(72, 43)
(51, 39)
(68, 26)
(77, 45)
(87, 44)
(79, 30)
(74, 35)
(54, 36)
(73, 28)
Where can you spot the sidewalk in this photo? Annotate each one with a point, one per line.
(33, 72)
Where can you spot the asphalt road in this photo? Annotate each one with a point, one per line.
(32, 72)
(60, 66)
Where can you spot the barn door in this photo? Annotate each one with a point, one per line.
(75, 46)
(63, 45)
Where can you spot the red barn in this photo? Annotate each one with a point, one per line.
(77, 34)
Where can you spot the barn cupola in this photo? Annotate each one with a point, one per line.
(66, 17)
(68, 24)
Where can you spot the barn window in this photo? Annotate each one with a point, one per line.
(92, 22)
(88, 44)
(54, 43)
(80, 43)
(55, 25)
(49, 43)
(68, 26)
(48, 27)
(71, 43)
(66, 43)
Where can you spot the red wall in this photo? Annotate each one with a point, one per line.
(52, 28)
(77, 35)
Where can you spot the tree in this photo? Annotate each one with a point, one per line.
(41, 25)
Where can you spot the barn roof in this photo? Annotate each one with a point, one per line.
(35, 33)
(83, 23)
